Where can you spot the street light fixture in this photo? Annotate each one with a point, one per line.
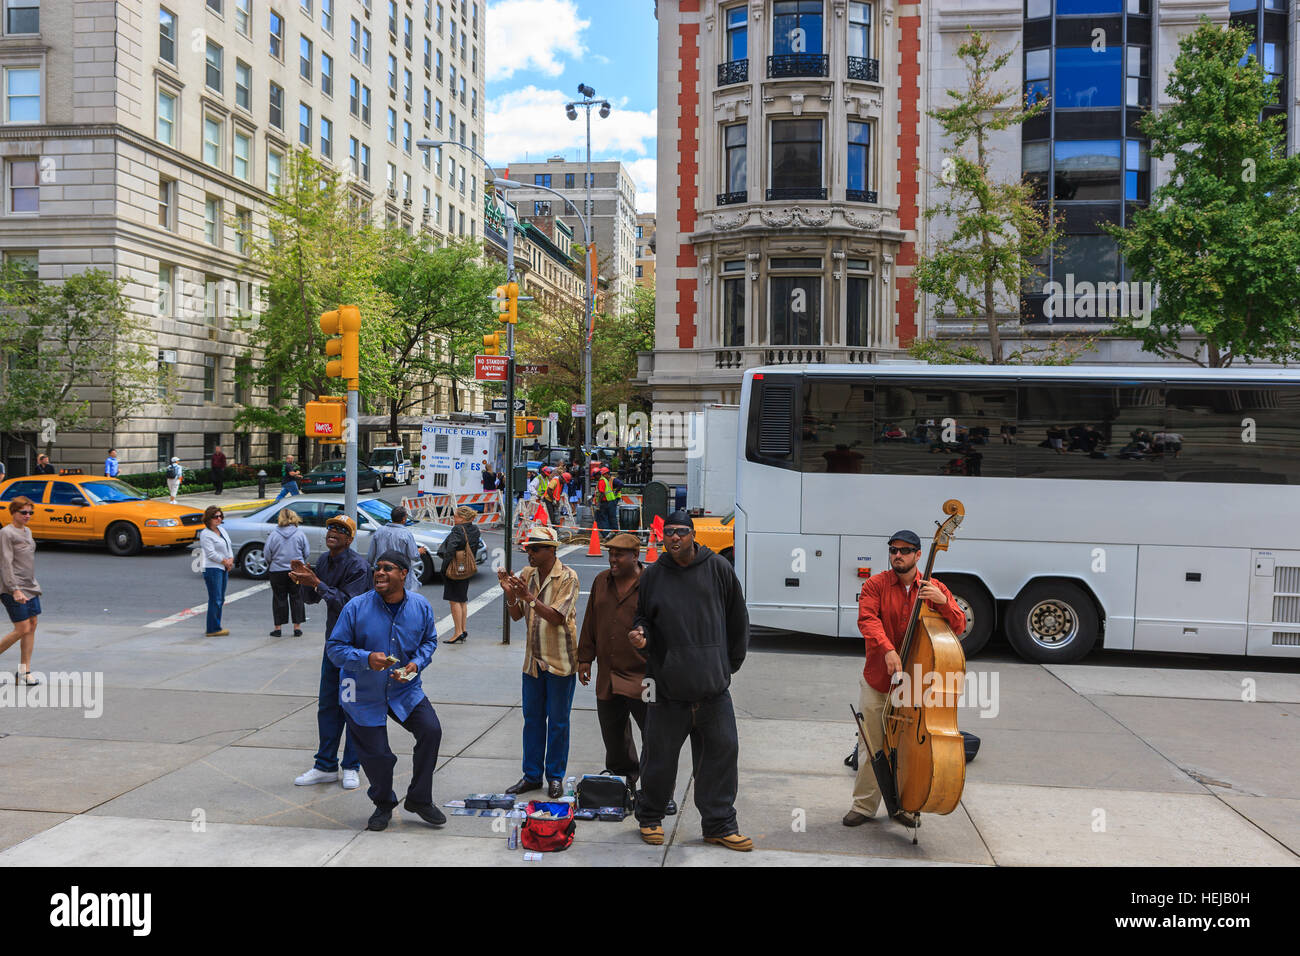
(571, 111)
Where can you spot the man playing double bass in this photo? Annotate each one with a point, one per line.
(884, 607)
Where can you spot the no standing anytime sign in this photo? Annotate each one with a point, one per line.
(491, 368)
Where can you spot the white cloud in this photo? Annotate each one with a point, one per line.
(532, 35)
(643, 172)
(529, 124)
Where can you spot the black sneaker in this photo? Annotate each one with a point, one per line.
(379, 819)
(427, 812)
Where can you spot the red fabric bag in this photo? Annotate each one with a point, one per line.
(548, 835)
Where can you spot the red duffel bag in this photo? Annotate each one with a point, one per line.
(548, 835)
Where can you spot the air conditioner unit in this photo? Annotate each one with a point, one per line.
(212, 334)
(392, 193)
(406, 203)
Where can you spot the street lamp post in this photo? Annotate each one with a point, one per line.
(508, 492)
(586, 237)
(571, 110)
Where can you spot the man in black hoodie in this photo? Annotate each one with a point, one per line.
(693, 629)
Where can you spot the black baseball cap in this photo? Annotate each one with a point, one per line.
(909, 536)
(679, 517)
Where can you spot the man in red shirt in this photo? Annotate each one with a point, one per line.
(884, 607)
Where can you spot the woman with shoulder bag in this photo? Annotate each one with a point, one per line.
(285, 544)
(464, 536)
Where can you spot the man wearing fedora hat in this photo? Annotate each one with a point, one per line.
(610, 614)
(546, 594)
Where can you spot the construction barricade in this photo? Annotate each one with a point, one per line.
(442, 508)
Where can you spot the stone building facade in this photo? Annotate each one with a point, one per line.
(159, 130)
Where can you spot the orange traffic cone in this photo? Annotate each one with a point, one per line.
(651, 555)
(593, 550)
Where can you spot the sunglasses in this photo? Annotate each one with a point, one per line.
(28, 513)
(537, 547)
(903, 550)
(676, 532)
(387, 568)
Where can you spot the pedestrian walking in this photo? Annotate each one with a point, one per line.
(218, 559)
(110, 464)
(395, 536)
(386, 623)
(289, 478)
(339, 576)
(19, 592)
(620, 670)
(884, 609)
(488, 477)
(463, 534)
(43, 466)
(546, 594)
(285, 544)
(175, 475)
(218, 470)
(692, 624)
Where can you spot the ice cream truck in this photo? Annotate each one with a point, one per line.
(452, 455)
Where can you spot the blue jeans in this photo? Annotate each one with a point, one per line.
(288, 488)
(330, 724)
(215, 579)
(547, 701)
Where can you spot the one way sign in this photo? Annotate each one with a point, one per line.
(499, 404)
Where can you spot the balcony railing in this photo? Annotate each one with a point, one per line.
(799, 64)
(796, 192)
(860, 195)
(735, 71)
(864, 68)
(730, 199)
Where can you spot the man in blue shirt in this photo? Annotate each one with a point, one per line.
(340, 575)
(382, 625)
(110, 464)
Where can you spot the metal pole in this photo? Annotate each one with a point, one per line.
(350, 456)
(509, 494)
(587, 329)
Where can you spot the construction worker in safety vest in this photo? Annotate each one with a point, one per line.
(554, 495)
(607, 501)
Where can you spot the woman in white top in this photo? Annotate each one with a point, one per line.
(218, 559)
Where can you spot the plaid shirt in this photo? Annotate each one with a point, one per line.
(550, 647)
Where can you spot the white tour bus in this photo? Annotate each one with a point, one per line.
(1155, 509)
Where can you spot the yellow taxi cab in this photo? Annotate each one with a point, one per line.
(718, 534)
(89, 508)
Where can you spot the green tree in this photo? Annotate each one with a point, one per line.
(61, 342)
(441, 302)
(320, 253)
(1221, 237)
(998, 229)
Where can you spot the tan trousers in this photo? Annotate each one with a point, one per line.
(866, 792)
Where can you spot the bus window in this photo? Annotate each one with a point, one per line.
(1231, 435)
(1089, 432)
(771, 437)
(836, 430)
(937, 429)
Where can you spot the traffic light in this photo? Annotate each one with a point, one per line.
(492, 344)
(507, 297)
(345, 351)
(528, 427)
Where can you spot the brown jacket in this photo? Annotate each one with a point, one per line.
(620, 669)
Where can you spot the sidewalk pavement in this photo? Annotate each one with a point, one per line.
(232, 499)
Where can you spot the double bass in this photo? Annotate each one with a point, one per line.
(922, 765)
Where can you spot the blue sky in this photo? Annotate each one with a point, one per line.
(538, 51)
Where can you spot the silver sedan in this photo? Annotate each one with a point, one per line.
(248, 532)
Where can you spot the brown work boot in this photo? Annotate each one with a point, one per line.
(653, 835)
(732, 841)
(855, 819)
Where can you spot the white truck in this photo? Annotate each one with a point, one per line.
(392, 463)
(452, 455)
(711, 460)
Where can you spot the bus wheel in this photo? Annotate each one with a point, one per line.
(1052, 622)
(976, 604)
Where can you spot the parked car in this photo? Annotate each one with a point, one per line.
(248, 532)
(91, 509)
(330, 476)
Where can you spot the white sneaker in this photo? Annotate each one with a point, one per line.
(315, 776)
(351, 780)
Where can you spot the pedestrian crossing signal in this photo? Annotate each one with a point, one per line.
(527, 427)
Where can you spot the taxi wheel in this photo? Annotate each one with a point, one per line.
(123, 538)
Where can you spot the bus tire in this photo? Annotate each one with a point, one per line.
(981, 614)
(1052, 622)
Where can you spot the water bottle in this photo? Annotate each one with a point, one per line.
(512, 833)
(570, 786)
